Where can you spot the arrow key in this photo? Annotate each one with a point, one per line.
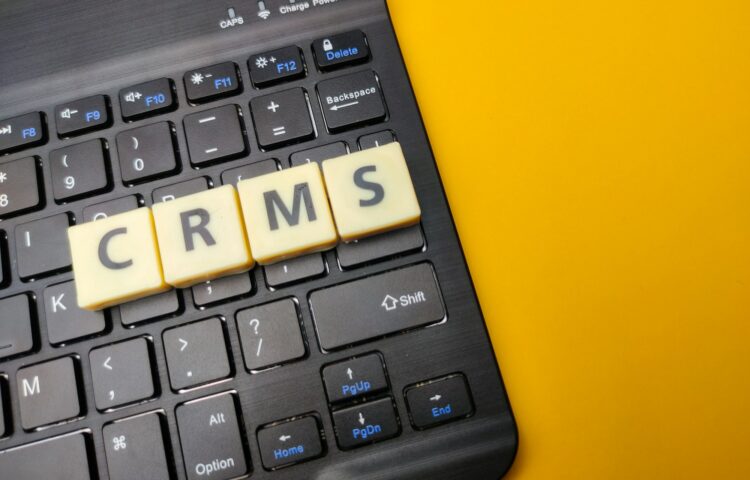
(354, 378)
(366, 423)
(439, 401)
(122, 373)
(289, 442)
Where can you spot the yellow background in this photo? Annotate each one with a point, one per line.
(596, 156)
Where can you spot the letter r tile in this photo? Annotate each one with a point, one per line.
(371, 192)
(287, 213)
(116, 259)
(202, 237)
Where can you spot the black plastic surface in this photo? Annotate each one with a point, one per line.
(54, 52)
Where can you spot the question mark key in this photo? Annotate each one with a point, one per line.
(279, 341)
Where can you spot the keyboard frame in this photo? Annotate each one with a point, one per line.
(480, 447)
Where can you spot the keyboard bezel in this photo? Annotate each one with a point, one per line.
(481, 446)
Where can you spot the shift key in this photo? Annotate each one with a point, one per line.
(378, 305)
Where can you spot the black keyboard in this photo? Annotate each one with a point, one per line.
(372, 360)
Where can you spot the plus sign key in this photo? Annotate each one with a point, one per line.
(19, 186)
(282, 118)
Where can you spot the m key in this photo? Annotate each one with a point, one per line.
(48, 393)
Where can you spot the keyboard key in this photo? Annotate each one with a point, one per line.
(221, 289)
(135, 448)
(42, 246)
(234, 175)
(215, 135)
(282, 118)
(116, 260)
(351, 100)
(48, 393)
(202, 237)
(269, 68)
(378, 305)
(22, 132)
(290, 442)
(439, 401)
(210, 438)
(318, 154)
(151, 308)
(79, 170)
(103, 210)
(147, 99)
(83, 115)
(270, 334)
(4, 273)
(59, 458)
(294, 270)
(121, 373)
(366, 423)
(196, 354)
(19, 187)
(371, 192)
(212, 82)
(179, 190)
(65, 321)
(16, 330)
(340, 50)
(353, 378)
(376, 139)
(278, 227)
(4, 411)
(147, 152)
(380, 246)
